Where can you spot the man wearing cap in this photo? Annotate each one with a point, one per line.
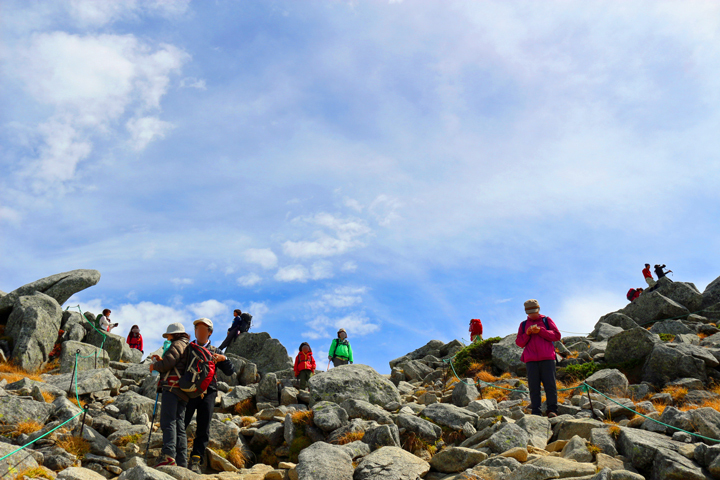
(174, 400)
(536, 336)
(648, 276)
(205, 404)
(340, 350)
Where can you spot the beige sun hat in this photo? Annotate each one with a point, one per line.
(174, 328)
(532, 306)
(205, 321)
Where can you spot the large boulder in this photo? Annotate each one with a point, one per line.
(538, 429)
(509, 436)
(447, 415)
(423, 429)
(89, 381)
(684, 293)
(14, 464)
(267, 353)
(414, 370)
(464, 393)
(633, 344)
(506, 355)
(609, 381)
(60, 286)
(74, 325)
(653, 306)
(711, 294)
(134, 406)
(14, 410)
(657, 454)
(322, 461)
(33, 325)
(673, 327)
(434, 348)
(361, 409)
(615, 319)
(457, 459)
(391, 463)
(329, 416)
(89, 357)
(352, 381)
(665, 364)
(115, 345)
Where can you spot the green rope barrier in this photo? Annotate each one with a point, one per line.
(77, 397)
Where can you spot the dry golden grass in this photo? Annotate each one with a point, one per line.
(486, 376)
(420, 392)
(495, 393)
(609, 422)
(659, 406)
(594, 449)
(677, 393)
(37, 472)
(476, 367)
(235, 456)
(49, 397)
(28, 427)
(565, 394)
(245, 421)
(703, 335)
(75, 445)
(13, 373)
(302, 417)
(74, 401)
(505, 376)
(134, 438)
(49, 367)
(245, 408)
(350, 437)
(614, 431)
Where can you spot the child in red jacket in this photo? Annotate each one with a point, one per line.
(134, 339)
(476, 329)
(304, 364)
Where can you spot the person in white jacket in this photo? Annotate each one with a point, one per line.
(104, 321)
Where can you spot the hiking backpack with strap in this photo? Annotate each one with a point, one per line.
(630, 294)
(544, 319)
(245, 322)
(199, 372)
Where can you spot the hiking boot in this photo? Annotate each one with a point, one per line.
(166, 461)
(552, 414)
(195, 462)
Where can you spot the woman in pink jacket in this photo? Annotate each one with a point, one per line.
(536, 336)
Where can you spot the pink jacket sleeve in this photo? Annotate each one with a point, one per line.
(552, 335)
(522, 337)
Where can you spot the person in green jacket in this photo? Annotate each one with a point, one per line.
(340, 350)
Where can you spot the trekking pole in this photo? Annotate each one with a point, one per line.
(77, 352)
(147, 448)
(328, 367)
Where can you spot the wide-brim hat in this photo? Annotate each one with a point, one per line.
(174, 328)
(205, 321)
(342, 330)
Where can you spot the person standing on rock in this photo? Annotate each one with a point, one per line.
(304, 364)
(134, 339)
(536, 336)
(174, 400)
(104, 321)
(240, 324)
(205, 404)
(340, 350)
(648, 276)
(476, 330)
(659, 271)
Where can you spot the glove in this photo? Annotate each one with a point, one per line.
(351, 363)
(329, 358)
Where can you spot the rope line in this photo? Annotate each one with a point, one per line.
(102, 344)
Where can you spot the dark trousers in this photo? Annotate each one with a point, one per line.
(337, 361)
(172, 424)
(542, 372)
(231, 336)
(204, 407)
(303, 378)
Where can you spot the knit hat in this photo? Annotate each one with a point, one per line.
(342, 330)
(205, 321)
(532, 306)
(173, 329)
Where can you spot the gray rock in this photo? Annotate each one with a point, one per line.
(538, 429)
(179, 473)
(236, 395)
(643, 448)
(329, 416)
(14, 410)
(362, 409)
(506, 355)
(239, 364)
(605, 331)
(568, 428)
(433, 347)
(707, 421)
(86, 360)
(33, 325)
(79, 473)
(382, 436)
(448, 415)
(115, 345)
(124, 432)
(609, 381)
(60, 287)
(653, 306)
(134, 406)
(57, 459)
(684, 293)
(673, 327)
(269, 434)
(322, 461)
(666, 363)
(267, 353)
(352, 381)
(602, 438)
(464, 393)
(100, 445)
(267, 391)
(356, 449)
(391, 463)
(74, 325)
(676, 418)
(91, 381)
(137, 373)
(509, 436)
(16, 463)
(614, 319)
(533, 472)
(142, 472)
(634, 344)
(425, 430)
(671, 464)
(711, 294)
(564, 467)
(414, 370)
(576, 449)
(25, 385)
(456, 459)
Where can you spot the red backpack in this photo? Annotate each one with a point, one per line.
(631, 294)
(476, 326)
(199, 372)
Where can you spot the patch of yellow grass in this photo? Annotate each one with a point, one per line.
(702, 335)
(75, 445)
(235, 456)
(134, 438)
(476, 367)
(28, 427)
(302, 417)
(614, 431)
(245, 421)
(49, 367)
(74, 401)
(594, 449)
(565, 394)
(659, 406)
(486, 376)
(506, 376)
(495, 393)
(677, 393)
(37, 472)
(49, 397)
(350, 437)
(13, 373)
(245, 408)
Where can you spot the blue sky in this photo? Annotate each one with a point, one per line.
(393, 168)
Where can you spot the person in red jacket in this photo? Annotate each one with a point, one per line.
(475, 329)
(648, 276)
(304, 364)
(134, 339)
(536, 336)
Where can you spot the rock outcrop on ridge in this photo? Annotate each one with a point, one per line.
(659, 357)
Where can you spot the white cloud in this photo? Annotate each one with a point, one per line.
(384, 208)
(144, 130)
(258, 310)
(9, 214)
(341, 297)
(209, 309)
(249, 280)
(346, 236)
(356, 324)
(579, 312)
(321, 270)
(349, 266)
(352, 203)
(93, 13)
(181, 281)
(292, 273)
(264, 257)
(192, 82)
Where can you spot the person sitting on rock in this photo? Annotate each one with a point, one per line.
(340, 350)
(134, 339)
(633, 293)
(476, 330)
(174, 400)
(535, 336)
(304, 364)
(205, 404)
(648, 276)
(240, 324)
(103, 321)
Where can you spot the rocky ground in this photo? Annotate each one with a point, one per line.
(419, 422)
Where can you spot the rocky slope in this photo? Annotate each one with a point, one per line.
(353, 423)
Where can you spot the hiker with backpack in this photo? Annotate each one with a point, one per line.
(304, 364)
(648, 276)
(103, 321)
(240, 324)
(633, 293)
(174, 400)
(205, 404)
(134, 339)
(340, 352)
(476, 330)
(659, 271)
(535, 336)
